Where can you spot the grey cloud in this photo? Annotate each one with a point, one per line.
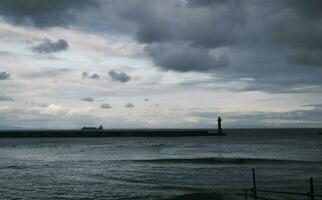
(201, 28)
(48, 46)
(90, 76)
(211, 115)
(105, 106)
(146, 99)
(310, 10)
(216, 27)
(197, 31)
(47, 72)
(271, 43)
(6, 53)
(261, 69)
(43, 14)
(36, 104)
(150, 27)
(4, 76)
(5, 98)
(289, 80)
(202, 3)
(276, 88)
(31, 118)
(310, 57)
(316, 106)
(259, 119)
(153, 32)
(184, 58)
(121, 77)
(300, 28)
(89, 99)
(129, 105)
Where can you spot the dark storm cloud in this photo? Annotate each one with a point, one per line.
(86, 75)
(105, 106)
(211, 28)
(181, 40)
(153, 32)
(271, 44)
(306, 57)
(275, 46)
(4, 76)
(310, 10)
(184, 58)
(121, 77)
(129, 105)
(89, 99)
(5, 98)
(213, 23)
(300, 28)
(292, 62)
(150, 27)
(48, 46)
(43, 14)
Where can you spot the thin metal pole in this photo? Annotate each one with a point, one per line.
(311, 189)
(254, 184)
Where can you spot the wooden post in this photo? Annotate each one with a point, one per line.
(254, 184)
(311, 189)
(246, 195)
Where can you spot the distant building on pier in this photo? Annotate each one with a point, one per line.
(100, 128)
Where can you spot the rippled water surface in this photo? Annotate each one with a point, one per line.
(158, 168)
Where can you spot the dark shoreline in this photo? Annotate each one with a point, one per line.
(109, 133)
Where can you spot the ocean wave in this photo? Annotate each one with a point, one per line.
(213, 160)
(13, 167)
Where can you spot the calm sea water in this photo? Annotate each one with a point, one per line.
(158, 168)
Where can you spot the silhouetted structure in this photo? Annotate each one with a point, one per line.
(100, 128)
(219, 125)
(219, 131)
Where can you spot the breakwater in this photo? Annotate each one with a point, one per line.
(109, 133)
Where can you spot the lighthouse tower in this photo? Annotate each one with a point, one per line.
(219, 125)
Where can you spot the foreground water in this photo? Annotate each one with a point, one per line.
(158, 168)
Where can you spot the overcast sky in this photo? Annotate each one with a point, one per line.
(160, 64)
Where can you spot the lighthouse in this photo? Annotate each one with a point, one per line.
(219, 131)
(219, 125)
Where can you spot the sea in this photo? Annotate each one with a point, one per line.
(121, 168)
